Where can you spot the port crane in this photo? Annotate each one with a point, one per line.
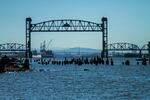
(44, 49)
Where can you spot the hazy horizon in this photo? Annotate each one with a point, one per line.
(128, 21)
(67, 48)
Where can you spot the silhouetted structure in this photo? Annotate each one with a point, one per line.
(107, 61)
(81, 61)
(12, 47)
(10, 64)
(26, 64)
(67, 26)
(127, 62)
(128, 47)
(144, 62)
(111, 61)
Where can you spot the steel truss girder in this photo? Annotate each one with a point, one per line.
(12, 47)
(123, 47)
(66, 26)
(144, 47)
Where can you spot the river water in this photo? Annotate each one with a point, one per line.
(72, 82)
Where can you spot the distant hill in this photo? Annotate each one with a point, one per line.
(77, 49)
(73, 52)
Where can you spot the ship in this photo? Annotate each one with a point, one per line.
(44, 51)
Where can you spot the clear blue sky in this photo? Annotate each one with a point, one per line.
(129, 21)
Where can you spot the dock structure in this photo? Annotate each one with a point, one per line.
(8, 64)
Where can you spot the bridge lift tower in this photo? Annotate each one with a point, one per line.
(104, 37)
(65, 25)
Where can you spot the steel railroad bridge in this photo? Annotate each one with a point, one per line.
(12, 47)
(67, 25)
(127, 47)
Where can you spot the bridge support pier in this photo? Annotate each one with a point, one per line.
(26, 64)
(104, 25)
(140, 53)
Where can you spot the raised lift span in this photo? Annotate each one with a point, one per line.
(67, 25)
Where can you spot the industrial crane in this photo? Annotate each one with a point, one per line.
(44, 49)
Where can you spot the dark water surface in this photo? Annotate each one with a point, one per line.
(73, 83)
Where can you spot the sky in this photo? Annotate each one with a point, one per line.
(128, 21)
